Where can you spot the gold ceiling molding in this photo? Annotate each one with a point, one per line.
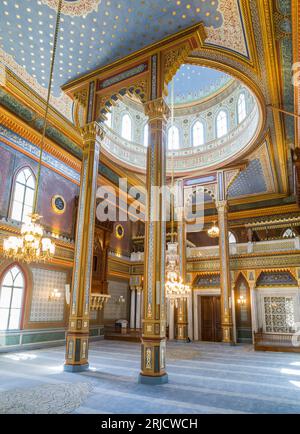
(15, 86)
(296, 60)
(74, 8)
(10, 121)
(272, 222)
(265, 10)
(62, 103)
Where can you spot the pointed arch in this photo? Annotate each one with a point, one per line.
(241, 108)
(146, 135)
(173, 137)
(198, 138)
(23, 194)
(222, 123)
(126, 127)
(12, 296)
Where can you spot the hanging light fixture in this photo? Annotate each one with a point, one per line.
(32, 246)
(213, 231)
(174, 286)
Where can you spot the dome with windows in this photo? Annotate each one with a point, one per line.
(216, 120)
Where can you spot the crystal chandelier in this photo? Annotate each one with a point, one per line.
(214, 231)
(174, 286)
(31, 246)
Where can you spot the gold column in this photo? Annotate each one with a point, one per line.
(181, 330)
(181, 321)
(78, 332)
(154, 322)
(226, 311)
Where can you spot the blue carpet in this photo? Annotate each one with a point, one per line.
(203, 378)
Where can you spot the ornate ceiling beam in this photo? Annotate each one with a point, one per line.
(296, 67)
(266, 10)
(95, 93)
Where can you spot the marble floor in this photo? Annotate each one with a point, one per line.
(203, 378)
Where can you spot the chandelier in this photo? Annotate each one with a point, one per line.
(31, 245)
(174, 286)
(214, 231)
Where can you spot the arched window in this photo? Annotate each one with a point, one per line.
(198, 133)
(108, 120)
(173, 137)
(146, 133)
(11, 299)
(289, 233)
(231, 238)
(222, 127)
(126, 127)
(23, 195)
(241, 108)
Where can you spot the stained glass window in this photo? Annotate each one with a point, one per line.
(173, 137)
(289, 233)
(232, 238)
(146, 132)
(241, 108)
(198, 134)
(108, 120)
(222, 127)
(11, 299)
(23, 197)
(126, 127)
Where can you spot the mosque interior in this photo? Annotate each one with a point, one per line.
(149, 206)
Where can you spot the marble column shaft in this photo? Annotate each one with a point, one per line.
(78, 332)
(154, 323)
(226, 311)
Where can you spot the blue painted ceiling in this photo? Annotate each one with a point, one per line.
(192, 83)
(115, 29)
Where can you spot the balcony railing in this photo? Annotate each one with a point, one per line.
(272, 246)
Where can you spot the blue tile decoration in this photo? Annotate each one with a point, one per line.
(250, 181)
(271, 278)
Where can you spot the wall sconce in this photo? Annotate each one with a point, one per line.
(54, 295)
(242, 300)
(119, 300)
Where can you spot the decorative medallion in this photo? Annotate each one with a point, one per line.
(74, 7)
(119, 232)
(58, 204)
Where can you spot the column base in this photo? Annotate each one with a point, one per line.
(76, 368)
(152, 381)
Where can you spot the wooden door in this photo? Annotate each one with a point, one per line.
(210, 318)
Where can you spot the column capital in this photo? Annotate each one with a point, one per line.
(157, 108)
(222, 205)
(91, 131)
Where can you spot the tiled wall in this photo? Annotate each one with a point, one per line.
(44, 281)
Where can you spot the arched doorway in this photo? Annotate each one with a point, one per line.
(243, 310)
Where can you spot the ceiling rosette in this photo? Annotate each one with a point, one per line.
(74, 7)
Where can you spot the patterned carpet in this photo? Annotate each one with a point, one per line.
(203, 378)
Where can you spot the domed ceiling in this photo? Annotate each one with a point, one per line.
(193, 83)
(94, 33)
